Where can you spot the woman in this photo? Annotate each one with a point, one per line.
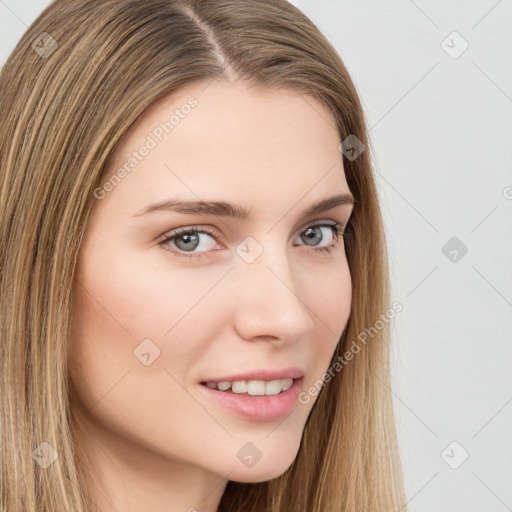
(168, 339)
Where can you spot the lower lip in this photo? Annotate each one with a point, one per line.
(257, 408)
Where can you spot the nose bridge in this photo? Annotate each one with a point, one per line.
(268, 302)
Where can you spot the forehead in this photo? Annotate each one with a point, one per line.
(222, 138)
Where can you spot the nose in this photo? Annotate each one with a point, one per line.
(268, 301)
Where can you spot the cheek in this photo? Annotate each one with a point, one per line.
(334, 297)
(115, 308)
(128, 307)
(126, 298)
(329, 298)
(329, 303)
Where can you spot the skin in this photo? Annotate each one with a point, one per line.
(154, 440)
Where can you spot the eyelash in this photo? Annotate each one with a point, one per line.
(336, 229)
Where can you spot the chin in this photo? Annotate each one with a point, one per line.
(262, 474)
(263, 470)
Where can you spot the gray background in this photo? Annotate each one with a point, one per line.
(441, 128)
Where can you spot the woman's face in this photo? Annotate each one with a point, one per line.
(153, 319)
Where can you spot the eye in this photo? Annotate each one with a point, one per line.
(185, 240)
(313, 233)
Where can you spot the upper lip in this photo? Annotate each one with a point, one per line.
(263, 374)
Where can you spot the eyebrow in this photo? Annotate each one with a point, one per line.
(225, 209)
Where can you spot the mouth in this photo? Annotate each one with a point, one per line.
(259, 382)
(252, 387)
(249, 399)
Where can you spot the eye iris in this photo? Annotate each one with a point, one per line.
(313, 234)
(187, 237)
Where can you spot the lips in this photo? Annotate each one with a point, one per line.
(256, 408)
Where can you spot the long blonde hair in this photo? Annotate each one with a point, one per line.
(77, 80)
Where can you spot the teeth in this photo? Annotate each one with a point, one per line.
(223, 386)
(239, 386)
(253, 387)
(286, 383)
